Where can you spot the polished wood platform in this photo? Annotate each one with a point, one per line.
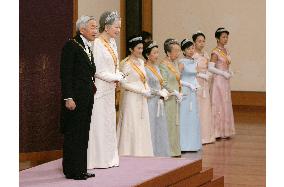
(191, 175)
(242, 159)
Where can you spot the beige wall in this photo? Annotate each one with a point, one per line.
(244, 19)
(96, 8)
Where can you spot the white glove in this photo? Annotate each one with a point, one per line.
(108, 77)
(124, 80)
(118, 77)
(178, 96)
(164, 93)
(175, 93)
(227, 75)
(232, 73)
(179, 99)
(203, 76)
(213, 69)
(210, 75)
(197, 86)
(120, 73)
(189, 85)
(146, 93)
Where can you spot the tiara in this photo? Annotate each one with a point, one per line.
(184, 42)
(198, 32)
(172, 41)
(222, 30)
(153, 44)
(112, 15)
(138, 38)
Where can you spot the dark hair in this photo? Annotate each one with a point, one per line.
(133, 41)
(168, 44)
(147, 48)
(146, 35)
(194, 36)
(185, 44)
(219, 31)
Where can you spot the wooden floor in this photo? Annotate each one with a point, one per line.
(241, 160)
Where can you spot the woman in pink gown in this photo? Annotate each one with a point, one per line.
(223, 119)
(203, 95)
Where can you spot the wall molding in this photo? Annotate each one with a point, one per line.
(249, 98)
(42, 156)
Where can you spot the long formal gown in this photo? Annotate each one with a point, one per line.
(204, 100)
(157, 115)
(102, 148)
(133, 130)
(172, 108)
(190, 138)
(223, 118)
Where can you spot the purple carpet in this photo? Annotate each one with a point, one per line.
(132, 171)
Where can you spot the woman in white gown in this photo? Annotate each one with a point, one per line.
(102, 147)
(134, 135)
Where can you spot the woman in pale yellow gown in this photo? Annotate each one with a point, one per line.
(133, 130)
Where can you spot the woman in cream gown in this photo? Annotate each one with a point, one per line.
(133, 133)
(102, 147)
(204, 97)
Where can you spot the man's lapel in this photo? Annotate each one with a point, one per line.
(80, 41)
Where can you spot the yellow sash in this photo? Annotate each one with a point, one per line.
(139, 71)
(220, 52)
(121, 63)
(109, 48)
(174, 71)
(155, 72)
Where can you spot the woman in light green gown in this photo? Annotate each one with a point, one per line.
(171, 76)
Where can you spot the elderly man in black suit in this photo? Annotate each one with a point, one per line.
(77, 84)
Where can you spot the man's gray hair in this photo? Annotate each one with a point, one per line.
(83, 21)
